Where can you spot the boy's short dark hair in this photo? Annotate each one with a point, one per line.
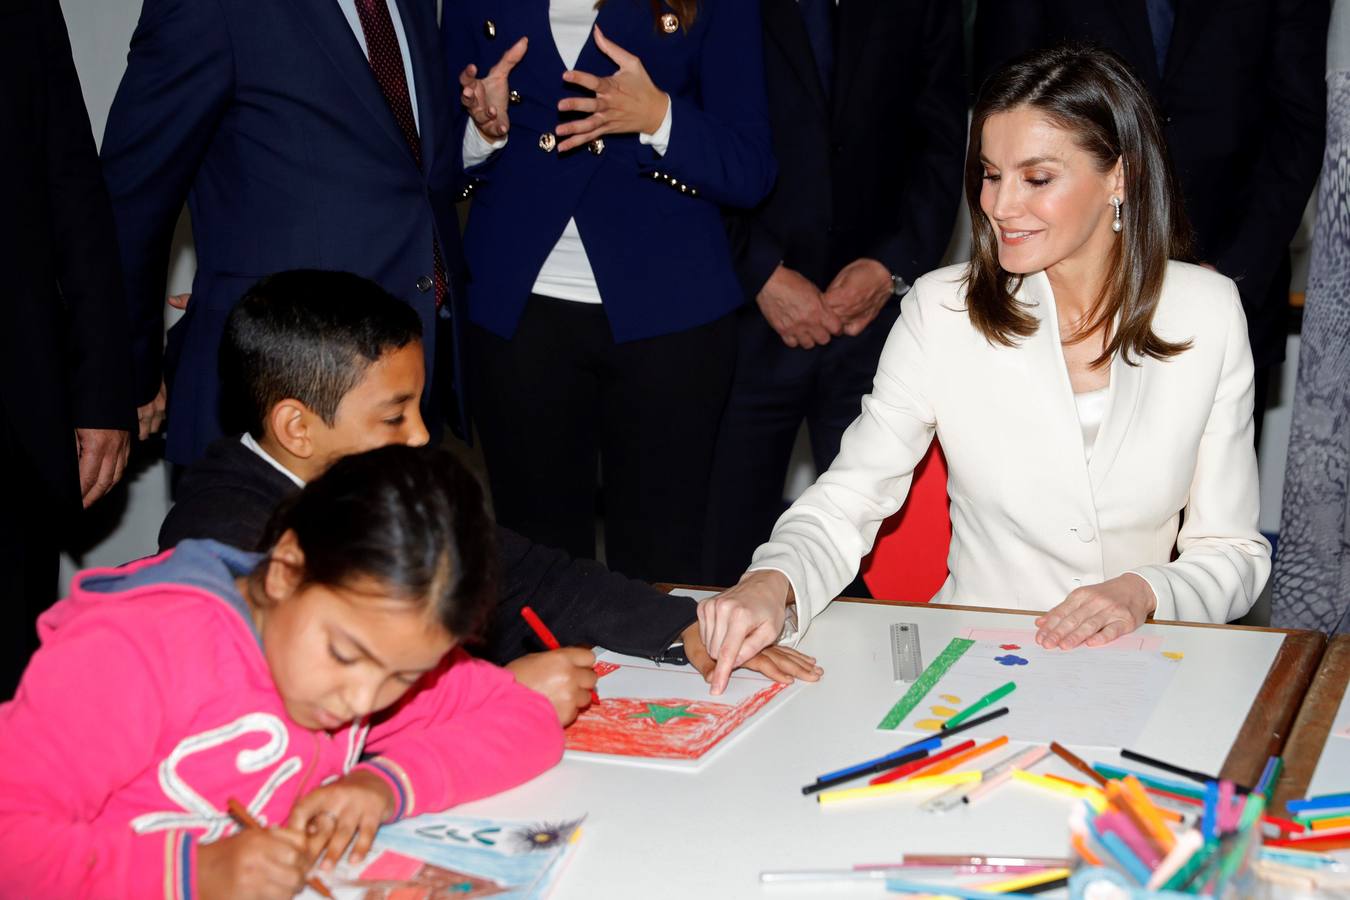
(309, 335)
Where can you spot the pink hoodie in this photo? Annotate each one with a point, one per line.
(150, 704)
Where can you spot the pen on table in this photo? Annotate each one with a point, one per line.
(1073, 759)
(241, 815)
(541, 631)
(920, 765)
(984, 702)
(1192, 774)
(992, 779)
(910, 757)
(926, 744)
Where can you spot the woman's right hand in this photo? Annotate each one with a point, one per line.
(486, 98)
(741, 621)
(264, 864)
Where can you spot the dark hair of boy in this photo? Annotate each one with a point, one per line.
(411, 518)
(307, 335)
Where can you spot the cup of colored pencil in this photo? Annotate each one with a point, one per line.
(1129, 844)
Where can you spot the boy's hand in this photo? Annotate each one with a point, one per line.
(354, 806)
(267, 864)
(566, 677)
(781, 664)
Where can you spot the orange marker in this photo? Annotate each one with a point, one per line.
(541, 631)
(1081, 848)
(1139, 808)
(954, 761)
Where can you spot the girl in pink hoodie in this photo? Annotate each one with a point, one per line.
(320, 685)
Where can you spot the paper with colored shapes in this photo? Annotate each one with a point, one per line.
(444, 857)
(1015, 639)
(1087, 697)
(662, 715)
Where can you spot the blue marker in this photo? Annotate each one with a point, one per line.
(929, 744)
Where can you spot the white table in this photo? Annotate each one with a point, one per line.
(656, 834)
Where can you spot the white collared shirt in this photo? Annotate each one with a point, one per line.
(248, 441)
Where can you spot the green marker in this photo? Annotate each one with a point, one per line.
(987, 700)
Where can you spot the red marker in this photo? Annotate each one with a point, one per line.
(541, 631)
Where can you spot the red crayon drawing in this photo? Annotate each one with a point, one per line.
(681, 723)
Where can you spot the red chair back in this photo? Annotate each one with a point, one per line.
(909, 560)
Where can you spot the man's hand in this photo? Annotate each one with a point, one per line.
(794, 308)
(858, 293)
(103, 456)
(782, 664)
(150, 417)
(566, 677)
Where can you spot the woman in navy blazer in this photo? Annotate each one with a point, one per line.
(601, 279)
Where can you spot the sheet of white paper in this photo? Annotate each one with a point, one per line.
(643, 680)
(1097, 698)
(1027, 638)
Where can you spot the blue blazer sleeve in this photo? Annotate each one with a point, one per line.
(720, 143)
(179, 78)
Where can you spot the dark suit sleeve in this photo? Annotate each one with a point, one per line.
(1292, 138)
(721, 145)
(84, 245)
(1004, 29)
(581, 601)
(179, 78)
(754, 250)
(932, 190)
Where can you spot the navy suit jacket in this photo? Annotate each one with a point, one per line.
(1243, 103)
(650, 224)
(266, 117)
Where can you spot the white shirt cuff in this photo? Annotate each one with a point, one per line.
(660, 139)
(476, 147)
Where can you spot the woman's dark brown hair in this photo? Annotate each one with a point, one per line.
(1089, 92)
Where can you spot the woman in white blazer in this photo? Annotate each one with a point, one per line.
(1092, 396)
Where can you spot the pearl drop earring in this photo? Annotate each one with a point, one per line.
(1116, 225)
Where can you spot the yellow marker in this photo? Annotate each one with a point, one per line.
(1324, 824)
(898, 787)
(1021, 882)
(1084, 792)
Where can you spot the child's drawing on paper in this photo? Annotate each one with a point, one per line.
(658, 713)
(440, 857)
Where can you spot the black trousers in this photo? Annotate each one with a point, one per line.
(774, 389)
(29, 559)
(561, 396)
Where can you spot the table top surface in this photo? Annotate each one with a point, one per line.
(708, 834)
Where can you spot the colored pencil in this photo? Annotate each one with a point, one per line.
(542, 632)
(984, 702)
(1074, 760)
(926, 744)
(861, 773)
(919, 765)
(240, 814)
(1192, 774)
(897, 787)
(994, 777)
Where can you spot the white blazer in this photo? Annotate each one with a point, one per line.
(1031, 518)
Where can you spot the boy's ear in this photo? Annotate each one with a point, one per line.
(291, 424)
(285, 567)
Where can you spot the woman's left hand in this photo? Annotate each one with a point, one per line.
(353, 807)
(1097, 614)
(626, 102)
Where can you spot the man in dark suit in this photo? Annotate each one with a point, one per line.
(868, 112)
(1240, 87)
(65, 369)
(303, 134)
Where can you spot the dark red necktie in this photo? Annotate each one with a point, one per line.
(387, 62)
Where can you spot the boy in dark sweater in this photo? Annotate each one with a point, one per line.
(319, 365)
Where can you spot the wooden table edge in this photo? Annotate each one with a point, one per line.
(1267, 724)
(1312, 728)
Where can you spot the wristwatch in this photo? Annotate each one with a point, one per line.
(899, 286)
(673, 655)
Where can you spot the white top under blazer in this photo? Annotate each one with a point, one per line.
(1032, 518)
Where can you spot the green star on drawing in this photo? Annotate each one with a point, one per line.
(661, 714)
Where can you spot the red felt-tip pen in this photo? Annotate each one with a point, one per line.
(550, 641)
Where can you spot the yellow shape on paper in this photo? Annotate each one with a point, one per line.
(1172, 654)
(951, 698)
(945, 711)
(929, 724)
